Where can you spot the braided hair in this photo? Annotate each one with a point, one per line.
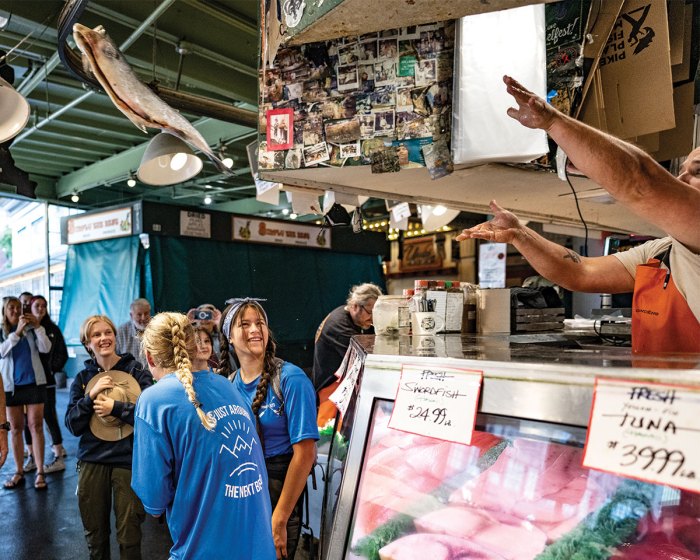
(169, 339)
(269, 360)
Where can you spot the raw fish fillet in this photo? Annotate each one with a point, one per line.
(425, 546)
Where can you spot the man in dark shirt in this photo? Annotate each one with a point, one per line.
(334, 333)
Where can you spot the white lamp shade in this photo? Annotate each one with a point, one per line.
(167, 161)
(434, 220)
(14, 111)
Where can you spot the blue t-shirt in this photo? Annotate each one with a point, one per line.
(298, 419)
(212, 485)
(22, 360)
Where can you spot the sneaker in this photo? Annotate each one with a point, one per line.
(29, 464)
(56, 465)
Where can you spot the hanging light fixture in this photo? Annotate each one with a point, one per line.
(434, 217)
(167, 161)
(14, 111)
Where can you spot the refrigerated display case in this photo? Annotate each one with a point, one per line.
(518, 492)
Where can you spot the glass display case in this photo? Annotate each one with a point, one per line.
(519, 491)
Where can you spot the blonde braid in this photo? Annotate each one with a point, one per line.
(184, 373)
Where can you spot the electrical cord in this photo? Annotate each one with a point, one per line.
(578, 209)
(611, 339)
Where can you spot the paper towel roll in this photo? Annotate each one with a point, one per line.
(493, 310)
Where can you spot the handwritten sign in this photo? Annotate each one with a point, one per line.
(646, 431)
(437, 402)
(195, 224)
(342, 395)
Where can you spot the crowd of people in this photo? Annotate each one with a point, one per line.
(166, 400)
(194, 416)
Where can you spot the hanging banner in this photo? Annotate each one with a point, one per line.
(646, 431)
(195, 224)
(437, 402)
(281, 233)
(98, 226)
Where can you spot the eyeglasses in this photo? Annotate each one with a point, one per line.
(364, 309)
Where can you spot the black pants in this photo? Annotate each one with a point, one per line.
(50, 418)
(276, 472)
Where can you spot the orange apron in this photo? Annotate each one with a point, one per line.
(661, 318)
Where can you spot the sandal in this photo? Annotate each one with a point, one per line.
(40, 481)
(15, 482)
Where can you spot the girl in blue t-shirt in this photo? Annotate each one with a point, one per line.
(197, 456)
(284, 403)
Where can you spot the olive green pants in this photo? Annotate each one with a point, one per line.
(98, 486)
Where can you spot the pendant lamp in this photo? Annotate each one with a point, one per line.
(14, 111)
(167, 161)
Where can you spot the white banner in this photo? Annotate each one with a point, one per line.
(647, 431)
(103, 225)
(282, 233)
(437, 402)
(195, 224)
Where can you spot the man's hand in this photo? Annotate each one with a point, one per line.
(502, 228)
(532, 111)
(103, 406)
(102, 384)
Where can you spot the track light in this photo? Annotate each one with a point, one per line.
(285, 211)
(227, 161)
(75, 197)
(207, 199)
(131, 181)
(293, 216)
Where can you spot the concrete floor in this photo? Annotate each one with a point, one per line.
(46, 525)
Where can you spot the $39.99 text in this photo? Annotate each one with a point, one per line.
(655, 459)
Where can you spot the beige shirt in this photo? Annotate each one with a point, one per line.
(685, 267)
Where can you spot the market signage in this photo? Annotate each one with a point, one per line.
(438, 402)
(101, 225)
(195, 224)
(281, 233)
(349, 373)
(647, 431)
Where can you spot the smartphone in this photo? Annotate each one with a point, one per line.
(26, 308)
(203, 315)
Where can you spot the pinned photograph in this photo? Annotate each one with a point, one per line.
(410, 151)
(370, 146)
(268, 159)
(316, 154)
(384, 73)
(280, 129)
(363, 103)
(438, 97)
(349, 150)
(431, 42)
(367, 51)
(383, 97)
(366, 125)
(383, 122)
(385, 160)
(438, 159)
(312, 133)
(388, 48)
(289, 59)
(343, 131)
(293, 10)
(348, 106)
(347, 78)
(294, 156)
(420, 101)
(273, 88)
(444, 68)
(347, 54)
(293, 90)
(332, 108)
(425, 71)
(366, 76)
(262, 116)
(409, 32)
(403, 100)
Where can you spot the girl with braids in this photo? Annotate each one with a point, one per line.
(101, 412)
(197, 456)
(284, 403)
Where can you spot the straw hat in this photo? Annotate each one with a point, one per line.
(126, 389)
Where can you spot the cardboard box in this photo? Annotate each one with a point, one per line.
(681, 72)
(633, 95)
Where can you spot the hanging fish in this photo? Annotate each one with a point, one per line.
(130, 95)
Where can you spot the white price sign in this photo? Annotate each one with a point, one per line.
(647, 431)
(342, 395)
(437, 402)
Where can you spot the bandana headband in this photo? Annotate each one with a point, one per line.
(236, 304)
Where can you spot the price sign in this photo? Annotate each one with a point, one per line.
(342, 395)
(647, 431)
(437, 402)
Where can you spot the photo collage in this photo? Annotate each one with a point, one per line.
(340, 102)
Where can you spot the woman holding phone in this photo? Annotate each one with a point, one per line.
(22, 338)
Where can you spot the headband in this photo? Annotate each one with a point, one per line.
(236, 304)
